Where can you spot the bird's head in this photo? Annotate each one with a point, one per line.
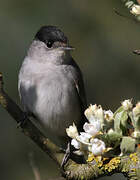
(50, 42)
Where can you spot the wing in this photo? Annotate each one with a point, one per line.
(76, 75)
(79, 83)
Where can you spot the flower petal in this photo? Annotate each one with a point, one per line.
(75, 143)
(84, 138)
(98, 147)
(93, 128)
(127, 104)
(72, 131)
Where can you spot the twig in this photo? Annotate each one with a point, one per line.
(119, 14)
(137, 52)
(124, 16)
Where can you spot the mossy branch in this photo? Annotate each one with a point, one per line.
(128, 165)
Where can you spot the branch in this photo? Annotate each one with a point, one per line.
(29, 128)
(129, 165)
(133, 7)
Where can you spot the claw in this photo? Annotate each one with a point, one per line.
(67, 155)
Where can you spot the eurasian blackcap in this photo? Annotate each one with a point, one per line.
(51, 86)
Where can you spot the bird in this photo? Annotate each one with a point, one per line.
(51, 86)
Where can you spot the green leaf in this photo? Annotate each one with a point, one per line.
(120, 120)
(127, 145)
(124, 119)
(113, 137)
(135, 121)
(118, 110)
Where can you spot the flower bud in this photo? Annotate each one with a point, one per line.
(84, 138)
(75, 143)
(136, 110)
(127, 104)
(108, 115)
(98, 147)
(89, 112)
(72, 131)
(93, 128)
(135, 10)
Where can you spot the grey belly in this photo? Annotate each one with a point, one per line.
(56, 107)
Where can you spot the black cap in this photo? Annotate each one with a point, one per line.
(50, 33)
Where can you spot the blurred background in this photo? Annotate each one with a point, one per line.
(104, 43)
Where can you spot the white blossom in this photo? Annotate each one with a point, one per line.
(75, 143)
(94, 113)
(136, 134)
(89, 112)
(110, 131)
(136, 110)
(101, 121)
(127, 104)
(93, 128)
(84, 138)
(72, 131)
(135, 9)
(108, 115)
(98, 147)
(99, 112)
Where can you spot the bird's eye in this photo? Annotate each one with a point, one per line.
(49, 44)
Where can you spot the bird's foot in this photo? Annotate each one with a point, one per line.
(67, 155)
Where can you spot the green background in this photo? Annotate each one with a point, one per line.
(104, 43)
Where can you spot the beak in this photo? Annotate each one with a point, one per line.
(67, 48)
